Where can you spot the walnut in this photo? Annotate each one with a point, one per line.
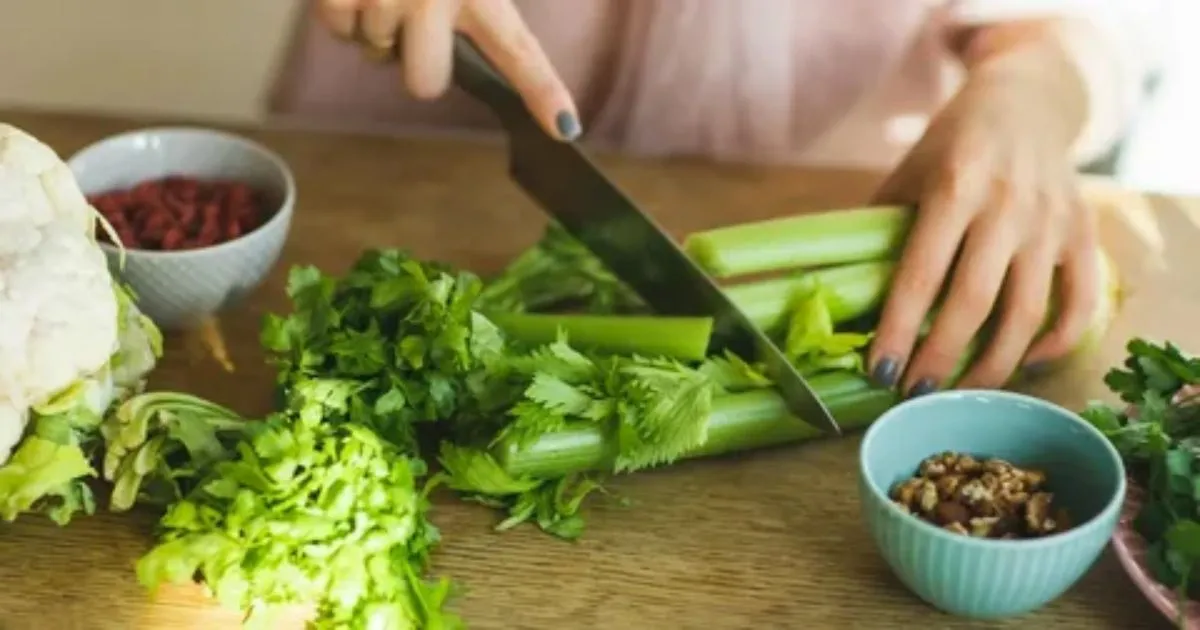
(948, 485)
(990, 480)
(983, 526)
(929, 497)
(997, 467)
(936, 466)
(951, 512)
(958, 528)
(992, 498)
(967, 465)
(906, 492)
(1034, 480)
(1011, 485)
(1010, 499)
(990, 507)
(1037, 513)
(976, 491)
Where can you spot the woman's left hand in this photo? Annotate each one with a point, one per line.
(997, 198)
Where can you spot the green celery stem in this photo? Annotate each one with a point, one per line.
(854, 290)
(738, 422)
(683, 338)
(808, 240)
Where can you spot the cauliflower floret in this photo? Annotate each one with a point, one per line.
(58, 315)
(58, 310)
(60, 195)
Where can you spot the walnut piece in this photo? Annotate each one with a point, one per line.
(981, 497)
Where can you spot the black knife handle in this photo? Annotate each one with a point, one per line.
(476, 76)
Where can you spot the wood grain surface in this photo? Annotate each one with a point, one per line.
(768, 540)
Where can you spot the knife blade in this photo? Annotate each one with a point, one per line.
(572, 190)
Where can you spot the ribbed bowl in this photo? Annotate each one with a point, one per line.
(981, 578)
(176, 289)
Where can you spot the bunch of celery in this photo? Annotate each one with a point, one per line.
(831, 274)
(615, 384)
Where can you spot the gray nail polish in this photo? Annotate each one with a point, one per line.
(568, 125)
(1036, 369)
(923, 386)
(886, 371)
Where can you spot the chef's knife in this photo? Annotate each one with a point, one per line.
(591, 208)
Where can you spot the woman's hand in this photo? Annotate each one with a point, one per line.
(996, 190)
(426, 29)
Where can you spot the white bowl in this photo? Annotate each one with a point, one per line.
(178, 288)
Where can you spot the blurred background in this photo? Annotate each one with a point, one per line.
(217, 60)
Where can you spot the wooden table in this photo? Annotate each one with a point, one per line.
(771, 540)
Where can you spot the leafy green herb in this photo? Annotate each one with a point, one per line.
(1157, 432)
(307, 511)
(402, 334)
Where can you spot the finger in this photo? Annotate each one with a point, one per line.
(977, 279)
(1022, 312)
(339, 16)
(940, 223)
(1079, 291)
(502, 36)
(381, 22)
(429, 47)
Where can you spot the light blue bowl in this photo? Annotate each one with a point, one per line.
(982, 578)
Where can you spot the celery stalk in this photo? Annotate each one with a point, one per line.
(683, 338)
(807, 240)
(853, 291)
(738, 422)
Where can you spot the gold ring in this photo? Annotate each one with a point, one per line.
(371, 50)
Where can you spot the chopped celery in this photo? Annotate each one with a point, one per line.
(738, 422)
(557, 271)
(851, 292)
(683, 338)
(807, 240)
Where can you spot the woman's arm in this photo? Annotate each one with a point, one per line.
(1103, 51)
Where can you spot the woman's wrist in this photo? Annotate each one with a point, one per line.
(1028, 62)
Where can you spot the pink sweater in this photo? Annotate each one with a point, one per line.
(821, 82)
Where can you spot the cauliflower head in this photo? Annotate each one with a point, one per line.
(71, 340)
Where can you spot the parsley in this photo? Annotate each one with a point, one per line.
(1157, 432)
(403, 335)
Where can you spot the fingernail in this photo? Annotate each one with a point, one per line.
(568, 125)
(886, 371)
(923, 386)
(1035, 369)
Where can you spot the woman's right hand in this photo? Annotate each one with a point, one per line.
(427, 28)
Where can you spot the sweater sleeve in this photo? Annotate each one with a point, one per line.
(1114, 43)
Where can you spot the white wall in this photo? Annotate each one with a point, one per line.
(1162, 153)
(178, 58)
